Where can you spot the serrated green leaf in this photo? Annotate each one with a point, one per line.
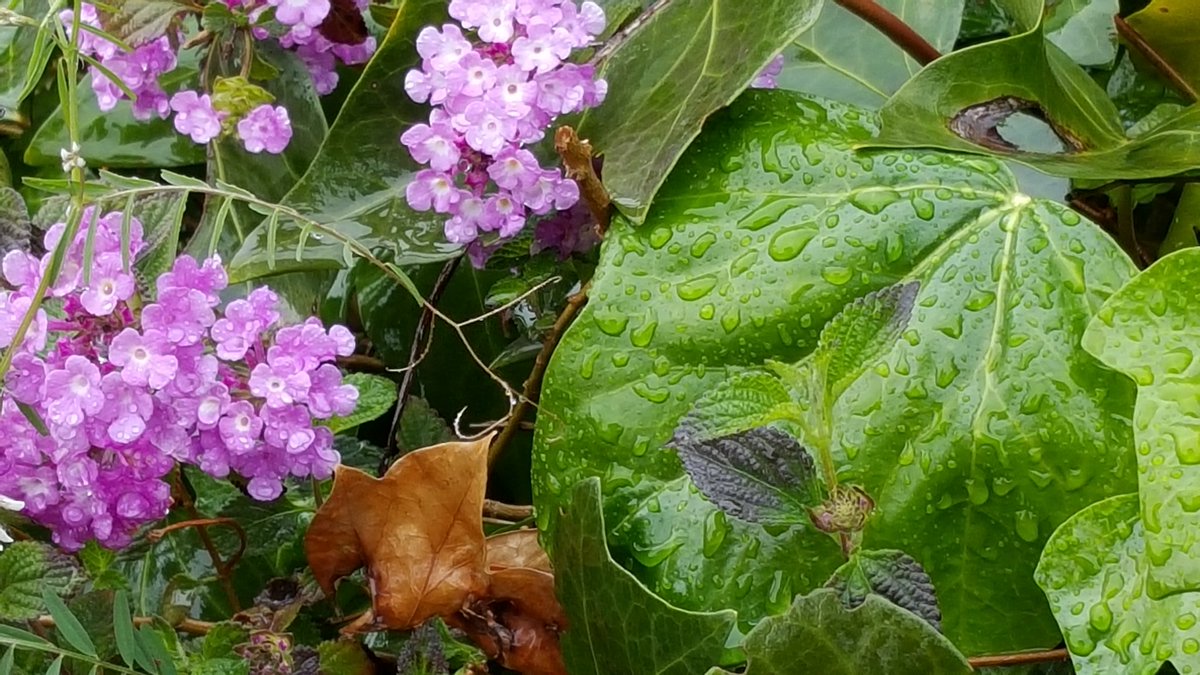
(617, 624)
(16, 230)
(768, 228)
(376, 396)
(687, 60)
(28, 568)
(234, 666)
(894, 576)
(344, 657)
(67, 624)
(421, 426)
(221, 639)
(140, 21)
(744, 401)
(212, 495)
(875, 637)
(356, 182)
(861, 333)
(760, 475)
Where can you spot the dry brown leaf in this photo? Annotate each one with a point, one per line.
(516, 549)
(518, 623)
(417, 530)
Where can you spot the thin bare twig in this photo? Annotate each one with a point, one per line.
(893, 28)
(422, 338)
(533, 384)
(190, 626)
(204, 524)
(224, 572)
(1019, 659)
(509, 512)
(1130, 35)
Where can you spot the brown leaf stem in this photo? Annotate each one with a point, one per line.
(224, 570)
(1135, 40)
(193, 627)
(510, 512)
(893, 28)
(1019, 659)
(576, 155)
(533, 385)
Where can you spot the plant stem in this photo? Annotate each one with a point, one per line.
(533, 385)
(495, 509)
(1020, 659)
(422, 338)
(201, 524)
(1137, 42)
(190, 626)
(896, 30)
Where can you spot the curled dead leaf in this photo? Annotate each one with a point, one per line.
(518, 623)
(417, 531)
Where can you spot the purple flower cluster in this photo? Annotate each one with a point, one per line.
(125, 395)
(492, 97)
(265, 128)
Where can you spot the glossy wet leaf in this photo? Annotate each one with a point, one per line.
(1150, 330)
(619, 625)
(1084, 29)
(973, 89)
(892, 575)
(356, 182)
(875, 637)
(114, 138)
(690, 58)
(421, 425)
(1169, 26)
(24, 51)
(845, 58)
(417, 530)
(765, 231)
(1096, 572)
(760, 475)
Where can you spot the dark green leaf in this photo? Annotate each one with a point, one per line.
(28, 568)
(221, 639)
(686, 61)
(767, 229)
(421, 426)
(15, 227)
(376, 396)
(761, 475)
(862, 333)
(1169, 27)
(212, 494)
(24, 52)
(153, 639)
(894, 576)
(875, 637)
(356, 182)
(617, 624)
(67, 624)
(847, 59)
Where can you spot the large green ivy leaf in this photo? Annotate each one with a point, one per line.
(1150, 330)
(115, 139)
(356, 182)
(767, 228)
(1096, 572)
(617, 624)
(1028, 67)
(686, 61)
(847, 59)
(875, 637)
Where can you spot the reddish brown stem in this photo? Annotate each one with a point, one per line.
(511, 512)
(896, 30)
(533, 385)
(190, 626)
(1130, 35)
(224, 570)
(1020, 659)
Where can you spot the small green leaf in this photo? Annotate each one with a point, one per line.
(15, 226)
(68, 624)
(213, 495)
(27, 569)
(747, 400)
(127, 645)
(761, 475)
(421, 426)
(617, 624)
(874, 637)
(344, 657)
(6, 661)
(376, 396)
(55, 666)
(861, 333)
(152, 643)
(221, 639)
(894, 576)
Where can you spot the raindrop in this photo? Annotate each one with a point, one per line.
(611, 322)
(874, 200)
(790, 242)
(697, 288)
(1027, 525)
(652, 394)
(702, 244)
(836, 275)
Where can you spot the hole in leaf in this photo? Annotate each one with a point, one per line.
(1011, 124)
